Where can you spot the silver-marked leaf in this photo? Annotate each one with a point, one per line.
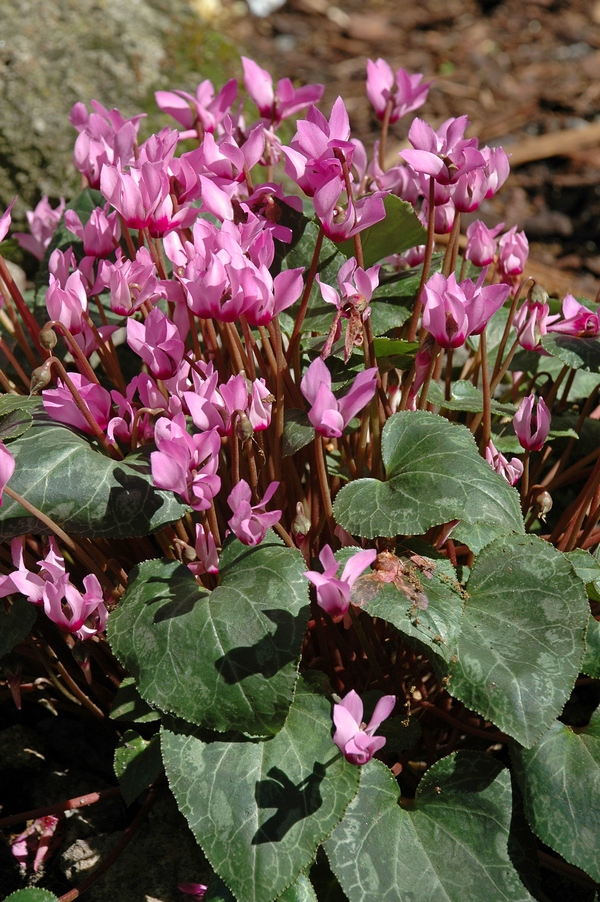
(434, 474)
(591, 659)
(10, 403)
(226, 659)
(15, 623)
(32, 894)
(399, 231)
(128, 705)
(577, 353)
(522, 638)
(300, 891)
(450, 844)
(297, 432)
(137, 764)
(14, 424)
(423, 600)
(260, 809)
(84, 491)
(560, 781)
(465, 396)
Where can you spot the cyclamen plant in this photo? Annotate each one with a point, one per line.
(252, 457)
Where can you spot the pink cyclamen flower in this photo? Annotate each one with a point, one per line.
(186, 464)
(197, 890)
(5, 220)
(328, 414)
(67, 303)
(354, 738)
(42, 225)
(199, 112)
(333, 592)
(207, 558)
(513, 250)
(284, 101)
(59, 403)
(511, 470)
(577, 319)
(445, 154)
(7, 467)
(532, 425)
(403, 92)
(157, 342)
(481, 243)
(82, 613)
(249, 523)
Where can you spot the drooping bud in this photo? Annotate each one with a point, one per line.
(41, 376)
(300, 524)
(243, 427)
(537, 294)
(48, 338)
(543, 503)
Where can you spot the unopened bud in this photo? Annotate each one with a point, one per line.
(40, 377)
(537, 294)
(48, 338)
(300, 523)
(243, 427)
(544, 504)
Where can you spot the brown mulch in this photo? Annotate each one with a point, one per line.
(526, 73)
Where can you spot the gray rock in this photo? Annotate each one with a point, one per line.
(54, 53)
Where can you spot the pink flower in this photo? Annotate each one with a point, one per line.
(328, 414)
(186, 464)
(67, 304)
(333, 592)
(5, 220)
(197, 890)
(532, 425)
(481, 242)
(42, 225)
(83, 614)
(249, 523)
(207, 558)
(101, 233)
(59, 403)
(157, 342)
(445, 154)
(285, 101)
(444, 311)
(339, 222)
(354, 738)
(199, 112)
(513, 249)
(578, 320)
(405, 91)
(356, 286)
(142, 197)
(105, 136)
(32, 585)
(511, 470)
(7, 467)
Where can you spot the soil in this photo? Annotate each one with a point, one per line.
(521, 71)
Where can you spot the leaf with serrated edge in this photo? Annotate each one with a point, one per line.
(32, 894)
(85, 492)
(225, 659)
(137, 764)
(300, 891)
(450, 845)
(434, 474)
(560, 781)
(260, 809)
(523, 634)
(591, 659)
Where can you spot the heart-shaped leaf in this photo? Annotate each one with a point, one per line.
(450, 843)
(399, 231)
(137, 764)
(85, 492)
(260, 809)
(300, 891)
(434, 474)
(560, 781)
(522, 638)
(225, 659)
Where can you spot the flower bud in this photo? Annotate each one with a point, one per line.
(537, 294)
(543, 503)
(48, 338)
(300, 523)
(41, 377)
(243, 427)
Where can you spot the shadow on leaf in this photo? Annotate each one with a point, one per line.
(269, 655)
(293, 802)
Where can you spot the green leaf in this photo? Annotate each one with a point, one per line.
(395, 352)
(560, 781)
(399, 231)
(10, 403)
(464, 396)
(300, 891)
(523, 634)
(424, 602)
(225, 659)
(297, 431)
(591, 660)
(32, 894)
(434, 474)
(137, 764)
(577, 353)
(260, 809)
(85, 492)
(15, 623)
(450, 844)
(15, 424)
(128, 705)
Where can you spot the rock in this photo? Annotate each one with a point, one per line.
(55, 54)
